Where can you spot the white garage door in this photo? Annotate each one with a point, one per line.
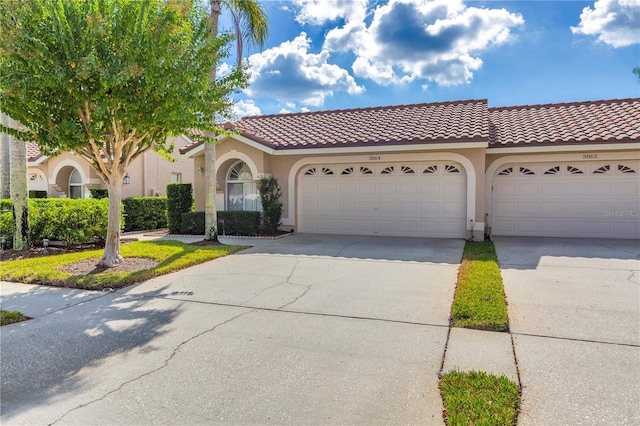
(397, 199)
(564, 199)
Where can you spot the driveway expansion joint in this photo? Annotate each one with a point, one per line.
(148, 373)
(574, 339)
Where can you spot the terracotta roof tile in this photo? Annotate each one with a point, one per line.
(33, 152)
(616, 120)
(463, 121)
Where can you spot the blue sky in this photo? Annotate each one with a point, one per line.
(336, 54)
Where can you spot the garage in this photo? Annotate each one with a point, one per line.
(567, 199)
(421, 199)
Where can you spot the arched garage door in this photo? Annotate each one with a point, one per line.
(396, 199)
(567, 199)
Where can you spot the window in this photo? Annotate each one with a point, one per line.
(242, 191)
(176, 177)
(75, 184)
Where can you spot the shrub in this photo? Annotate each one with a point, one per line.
(37, 194)
(238, 223)
(6, 228)
(143, 213)
(179, 200)
(99, 193)
(192, 223)
(72, 221)
(5, 205)
(270, 194)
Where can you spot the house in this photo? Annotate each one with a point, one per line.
(67, 175)
(449, 169)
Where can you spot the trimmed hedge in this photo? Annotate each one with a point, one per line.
(179, 201)
(144, 213)
(72, 221)
(37, 194)
(229, 223)
(99, 193)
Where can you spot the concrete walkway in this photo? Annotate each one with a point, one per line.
(301, 330)
(574, 310)
(313, 329)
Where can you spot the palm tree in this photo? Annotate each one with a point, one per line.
(250, 24)
(19, 192)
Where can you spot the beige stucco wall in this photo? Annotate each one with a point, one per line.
(149, 174)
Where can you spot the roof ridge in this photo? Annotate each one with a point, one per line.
(562, 104)
(373, 108)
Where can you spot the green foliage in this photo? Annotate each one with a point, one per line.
(170, 255)
(636, 71)
(6, 228)
(478, 398)
(98, 193)
(10, 317)
(5, 205)
(479, 301)
(192, 223)
(37, 194)
(144, 213)
(179, 201)
(238, 223)
(270, 194)
(72, 221)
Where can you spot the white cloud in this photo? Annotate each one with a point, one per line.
(289, 72)
(245, 108)
(318, 12)
(614, 22)
(431, 40)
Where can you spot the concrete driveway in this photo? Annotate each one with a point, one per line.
(303, 330)
(574, 310)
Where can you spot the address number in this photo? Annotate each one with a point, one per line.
(589, 156)
(375, 157)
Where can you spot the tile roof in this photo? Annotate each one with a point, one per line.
(461, 121)
(33, 152)
(609, 121)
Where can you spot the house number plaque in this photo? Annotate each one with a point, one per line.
(375, 157)
(589, 156)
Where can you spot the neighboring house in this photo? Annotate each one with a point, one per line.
(449, 169)
(67, 175)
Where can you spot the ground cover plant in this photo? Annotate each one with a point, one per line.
(478, 398)
(479, 301)
(143, 260)
(10, 317)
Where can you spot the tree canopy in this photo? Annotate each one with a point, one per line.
(111, 79)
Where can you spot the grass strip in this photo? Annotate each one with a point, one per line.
(479, 301)
(478, 398)
(10, 317)
(171, 255)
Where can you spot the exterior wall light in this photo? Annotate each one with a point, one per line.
(126, 180)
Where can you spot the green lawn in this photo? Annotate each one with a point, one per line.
(171, 255)
(479, 301)
(9, 317)
(477, 398)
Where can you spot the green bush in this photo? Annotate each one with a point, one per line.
(192, 223)
(99, 193)
(6, 228)
(270, 193)
(144, 213)
(179, 200)
(229, 223)
(72, 221)
(238, 223)
(5, 205)
(37, 194)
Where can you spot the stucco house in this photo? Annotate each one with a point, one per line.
(449, 169)
(70, 176)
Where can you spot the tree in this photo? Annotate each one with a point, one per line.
(5, 163)
(636, 71)
(19, 193)
(109, 80)
(250, 23)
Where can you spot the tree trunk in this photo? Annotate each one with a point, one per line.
(19, 194)
(210, 213)
(5, 160)
(111, 256)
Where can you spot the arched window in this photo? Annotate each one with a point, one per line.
(242, 192)
(75, 184)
